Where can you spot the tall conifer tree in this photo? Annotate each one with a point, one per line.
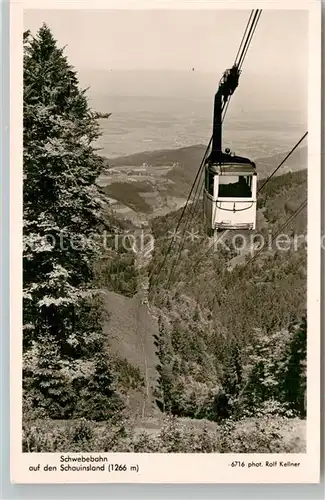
(62, 213)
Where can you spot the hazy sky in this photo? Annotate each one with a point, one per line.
(277, 61)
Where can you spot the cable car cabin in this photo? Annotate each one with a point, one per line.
(230, 193)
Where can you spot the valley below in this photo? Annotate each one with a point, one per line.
(153, 183)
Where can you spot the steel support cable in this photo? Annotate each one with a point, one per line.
(225, 108)
(283, 161)
(240, 63)
(194, 205)
(202, 180)
(287, 222)
(249, 38)
(181, 245)
(242, 57)
(260, 189)
(303, 205)
(197, 193)
(243, 38)
(199, 196)
(180, 219)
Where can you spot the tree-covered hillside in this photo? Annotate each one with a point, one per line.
(220, 325)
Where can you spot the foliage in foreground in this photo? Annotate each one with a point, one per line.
(265, 435)
(203, 375)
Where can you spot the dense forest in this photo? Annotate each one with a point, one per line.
(230, 340)
(232, 336)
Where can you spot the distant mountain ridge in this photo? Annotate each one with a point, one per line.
(160, 157)
(191, 157)
(176, 180)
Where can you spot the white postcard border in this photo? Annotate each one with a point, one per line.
(170, 468)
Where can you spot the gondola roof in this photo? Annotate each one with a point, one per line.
(228, 163)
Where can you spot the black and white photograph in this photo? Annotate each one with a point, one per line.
(166, 215)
